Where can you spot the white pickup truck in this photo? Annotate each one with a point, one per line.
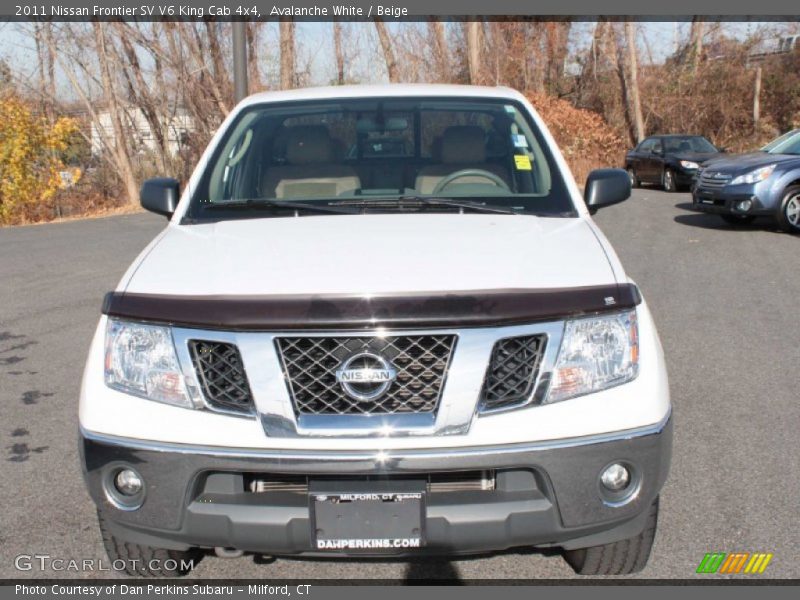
(380, 320)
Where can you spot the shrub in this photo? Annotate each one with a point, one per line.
(585, 139)
(30, 159)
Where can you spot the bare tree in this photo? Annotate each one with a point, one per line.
(288, 78)
(388, 51)
(633, 80)
(472, 31)
(338, 51)
(757, 98)
(141, 95)
(254, 57)
(696, 35)
(441, 53)
(557, 46)
(121, 150)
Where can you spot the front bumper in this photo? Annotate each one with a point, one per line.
(547, 493)
(684, 177)
(724, 200)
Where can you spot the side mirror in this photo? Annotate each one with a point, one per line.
(605, 187)
(160, 195)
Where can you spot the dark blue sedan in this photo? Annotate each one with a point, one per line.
(765, 183)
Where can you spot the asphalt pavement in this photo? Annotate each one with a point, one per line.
(726, 301)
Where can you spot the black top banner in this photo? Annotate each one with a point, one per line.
(390, 10)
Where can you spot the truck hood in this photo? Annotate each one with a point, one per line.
(372, 254)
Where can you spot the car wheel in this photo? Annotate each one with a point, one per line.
(635, 183)
(789, 211)
(738, 219)
(669, 181)
(144, 561)
(618, 558)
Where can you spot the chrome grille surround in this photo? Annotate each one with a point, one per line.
(459, 403)
(310, 364)
(713, 180)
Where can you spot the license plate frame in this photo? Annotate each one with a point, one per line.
(376, 517)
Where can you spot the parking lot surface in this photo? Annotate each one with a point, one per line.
(726, 302)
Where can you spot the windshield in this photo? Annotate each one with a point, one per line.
(789, 145)
(371, 153)
(693, 143)
(780, 140)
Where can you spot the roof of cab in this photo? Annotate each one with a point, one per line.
(388, 90)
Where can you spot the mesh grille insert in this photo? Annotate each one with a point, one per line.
(220, 370)
(512, 371)
(310, 364)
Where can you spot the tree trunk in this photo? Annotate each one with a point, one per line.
(757, 99)
(557, 47)
(473, 35)
(696, 41)
(388, 51)
(338, 52)
(441, 54)
(623, 84)
(633, 68)
(287, 55)
(154, 109)
(121, 150)
(253, 56)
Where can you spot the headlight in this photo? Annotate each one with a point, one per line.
(755, 176)
(688, 164)
(596, 353)
(140, 360)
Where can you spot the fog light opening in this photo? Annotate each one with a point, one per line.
(619, 483)
(124, 487)
(616, 477)
(744, 205)
(128, 482)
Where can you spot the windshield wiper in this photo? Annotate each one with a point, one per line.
(419, 202)
(266, 203)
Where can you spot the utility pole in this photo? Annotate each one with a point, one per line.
(239, 60)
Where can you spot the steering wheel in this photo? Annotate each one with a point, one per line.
(447, 180)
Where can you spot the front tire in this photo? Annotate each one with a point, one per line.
(635, 181)
(789, 210)
(618, 558)
(668, 181)
(144, 561)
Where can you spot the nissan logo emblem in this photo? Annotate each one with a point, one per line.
(365, 376)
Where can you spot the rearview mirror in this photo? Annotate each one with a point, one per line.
(605, 187)
(160, 195)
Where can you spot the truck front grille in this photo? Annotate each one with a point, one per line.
(310, 364)
(512, 371)
(221, 374)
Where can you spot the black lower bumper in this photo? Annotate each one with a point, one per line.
(545, 494)
(715, 202)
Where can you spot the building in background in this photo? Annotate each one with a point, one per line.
(177, 127)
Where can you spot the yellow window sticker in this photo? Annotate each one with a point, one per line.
(522, 162)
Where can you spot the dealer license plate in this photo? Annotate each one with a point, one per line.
(367, 520)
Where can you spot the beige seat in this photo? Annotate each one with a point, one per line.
(311, 170)
(462, 147)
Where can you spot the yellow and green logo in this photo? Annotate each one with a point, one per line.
(734, 563)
